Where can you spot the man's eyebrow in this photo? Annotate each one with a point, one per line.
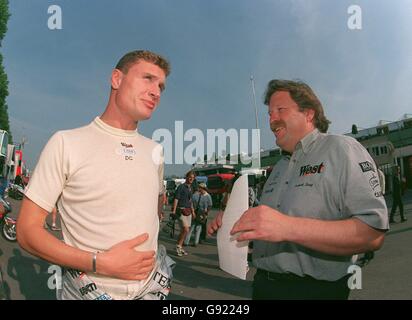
(150, 74)
(161, 85)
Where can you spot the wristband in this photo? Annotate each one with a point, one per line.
(94, 262)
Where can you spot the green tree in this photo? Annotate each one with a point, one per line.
(4, 116)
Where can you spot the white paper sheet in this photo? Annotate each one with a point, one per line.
(233, 254)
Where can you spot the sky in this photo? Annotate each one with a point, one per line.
(59, 79)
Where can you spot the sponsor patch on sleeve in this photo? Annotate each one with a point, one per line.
(366, 166)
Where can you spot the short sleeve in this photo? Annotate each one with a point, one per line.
(363, 196)
(178, 194)
(49, 175)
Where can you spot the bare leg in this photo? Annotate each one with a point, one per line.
(182, 236)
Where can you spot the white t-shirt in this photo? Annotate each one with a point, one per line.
(106, 182)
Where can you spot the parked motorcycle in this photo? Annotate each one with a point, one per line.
(15, 191)
(7, 224)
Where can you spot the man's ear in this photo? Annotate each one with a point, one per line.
(116, 79)
(310, 114)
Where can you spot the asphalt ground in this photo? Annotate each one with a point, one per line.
(198, 277)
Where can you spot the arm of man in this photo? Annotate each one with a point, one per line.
(217, 221)
(215, 224)
(193, 209)
(121, 261)
(177, 197)
(174, 205)
(343, 237)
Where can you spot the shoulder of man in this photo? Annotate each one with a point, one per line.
(344, 144)
(79, 139)
(77, 130)
(73, 135)
(152, 143)
(339, 139)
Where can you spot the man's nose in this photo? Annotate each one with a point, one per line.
(154, 92)
(273, 116)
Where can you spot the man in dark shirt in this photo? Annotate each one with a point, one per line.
(183, 207)
(396, 197)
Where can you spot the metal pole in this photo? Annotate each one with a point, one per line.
(254, 100)
(256, 118)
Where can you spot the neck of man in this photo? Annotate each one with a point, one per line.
(114, 118)
(309, 130)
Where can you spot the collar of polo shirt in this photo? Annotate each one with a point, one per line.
(307, 142)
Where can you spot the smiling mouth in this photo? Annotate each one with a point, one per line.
(277, 130)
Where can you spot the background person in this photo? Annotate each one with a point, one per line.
(202, 202)
(397, 196)
(183, 209)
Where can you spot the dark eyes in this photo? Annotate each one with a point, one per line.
(281, 109)
(152, 79)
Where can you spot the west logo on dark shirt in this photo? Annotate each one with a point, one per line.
(366, 166)
(310, 169)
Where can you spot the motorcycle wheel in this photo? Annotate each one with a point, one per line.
(9, 233)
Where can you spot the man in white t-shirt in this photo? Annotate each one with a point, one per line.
(110, 220)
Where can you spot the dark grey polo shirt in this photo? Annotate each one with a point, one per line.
(184, 196)
(328, 177)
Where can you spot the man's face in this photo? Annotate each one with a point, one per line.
(190, 179)
(286, 121)
(138, 91)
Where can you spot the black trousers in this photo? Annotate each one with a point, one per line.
(275, 286)
(204, 229)
(397, 202)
